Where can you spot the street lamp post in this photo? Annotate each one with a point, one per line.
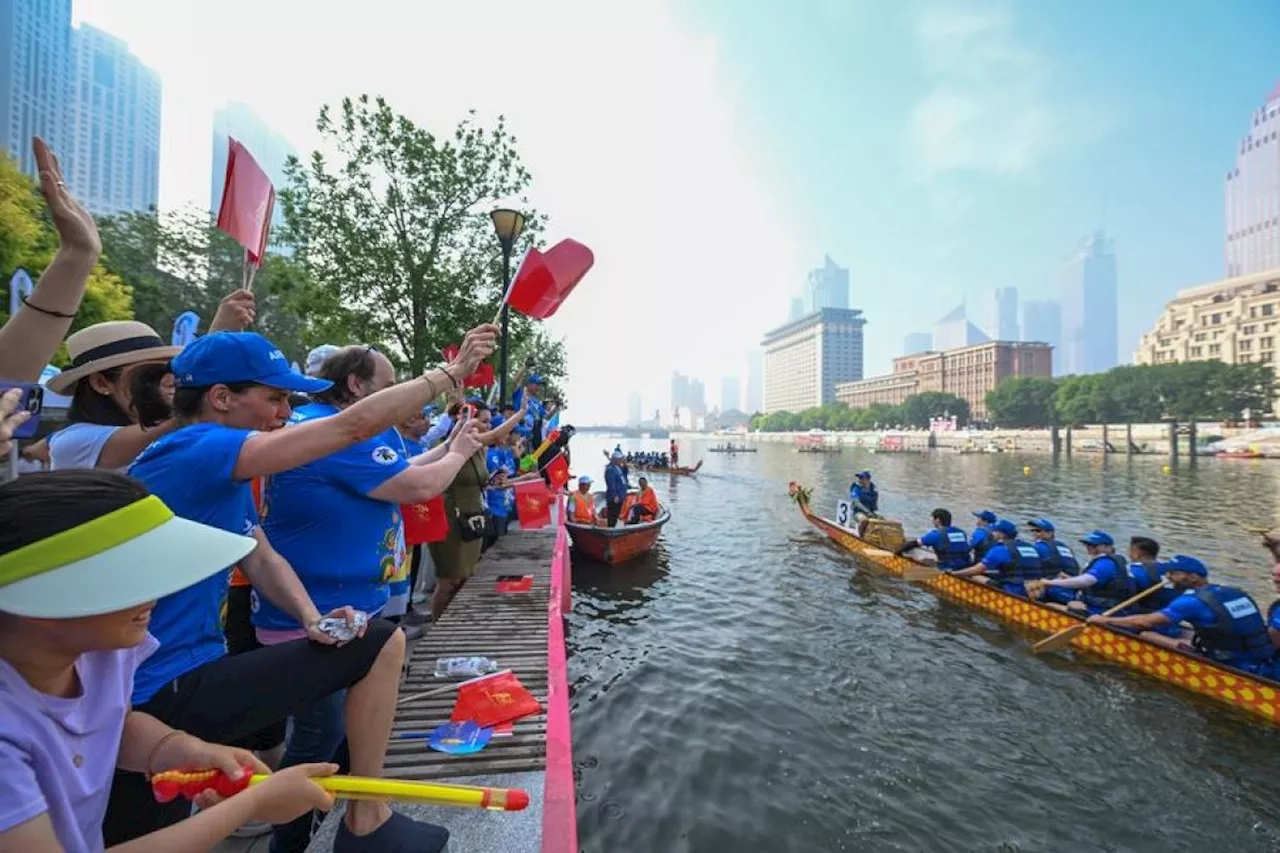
(507, 224)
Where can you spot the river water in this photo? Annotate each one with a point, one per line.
(748, 687)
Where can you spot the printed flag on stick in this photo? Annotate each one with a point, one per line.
(545, 279)
(557, 471)
(247, 201)
(533, 505)
(425, 522)
(493, 700)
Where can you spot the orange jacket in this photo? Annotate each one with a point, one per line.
(649, 500)
(582, 508)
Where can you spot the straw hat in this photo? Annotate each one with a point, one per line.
(103, 346)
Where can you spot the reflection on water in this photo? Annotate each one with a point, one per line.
(749, 687)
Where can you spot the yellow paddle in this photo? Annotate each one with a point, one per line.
(1066, 635)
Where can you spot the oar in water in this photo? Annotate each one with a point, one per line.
(1066, 635)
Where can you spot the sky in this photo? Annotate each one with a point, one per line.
(710, 152)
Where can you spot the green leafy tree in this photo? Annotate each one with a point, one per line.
(1024, 401)
(919, 408)
(396, 228)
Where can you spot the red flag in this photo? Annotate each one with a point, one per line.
(425, 522)
(482, 378)
(558, 472)
(524, 583)
(494, 699)
(247, 201)
(533, 505)
(545, 280)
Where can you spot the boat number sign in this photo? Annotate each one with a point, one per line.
(844, 514)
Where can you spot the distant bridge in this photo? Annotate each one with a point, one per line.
(626, 432)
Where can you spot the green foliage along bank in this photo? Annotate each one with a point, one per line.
(915, 411)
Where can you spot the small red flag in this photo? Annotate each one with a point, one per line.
(247, 201)
(533, 505)
(524, 583)
(482, 378)
(494, 699)
(545, 279)
(558, 471)
(425, 522)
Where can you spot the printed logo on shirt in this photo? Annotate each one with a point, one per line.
(384, 455)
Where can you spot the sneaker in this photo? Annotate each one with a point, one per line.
(400, 834)
(412, 632)
(416, 617)
(253, 829)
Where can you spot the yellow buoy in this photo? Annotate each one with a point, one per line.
(1167, 469)
(1026, 470)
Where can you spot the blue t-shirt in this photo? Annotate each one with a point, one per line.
(190, 469)
(938, 540)
(500, 502)
(1104, 569)
(344, 545)
(413, 446)
(980, 535)
(1188, 608)
(1273, 619)
(536, 410)
(995, 560)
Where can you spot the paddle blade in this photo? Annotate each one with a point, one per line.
(919, 574)
(1060, 640)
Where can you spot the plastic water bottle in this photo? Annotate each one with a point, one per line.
(468, 667)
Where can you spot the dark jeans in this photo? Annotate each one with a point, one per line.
(241, 638)
(639, 514)
(230, 699)
(314, 736)
(612, 509)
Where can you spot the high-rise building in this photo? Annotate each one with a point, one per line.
(238, 121)
(730, 393)
(35, 78)
(1002, 315)
(1253, 195)
(1089, 342)
(755, 381)
(828, 287)
(1042, 321)
(969, 372)
(633, 409)
(697, 397)
(955, 331)
(797, 308)
(679, 391)
(114, 157)
(917, 342)
(1233, 321)
(805, 360)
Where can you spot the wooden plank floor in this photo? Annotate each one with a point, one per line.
(510, 628)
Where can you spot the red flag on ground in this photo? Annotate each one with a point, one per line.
(524, 583)
(482, 378)
(545, 279)
(425, 522)
(247, 201)
(494, 699)
(533, 505)
(558, 471)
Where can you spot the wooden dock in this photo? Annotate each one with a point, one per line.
(523, 632)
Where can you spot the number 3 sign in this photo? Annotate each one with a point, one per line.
(844, 514)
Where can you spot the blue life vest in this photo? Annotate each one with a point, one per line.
(954, 554)
(868, 497)
(1145, 576)
(1024, 564)
(981, 542)
(1106, 595)
(1238, 632)
(1061, 559)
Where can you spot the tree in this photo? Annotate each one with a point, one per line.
(1024, 401)
(397, 228)
(919, 408)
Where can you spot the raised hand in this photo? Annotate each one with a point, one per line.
(477, 345)
(466, 440)
(236, 312)
(76, 228)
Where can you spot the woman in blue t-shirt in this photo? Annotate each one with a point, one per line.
(231, 397)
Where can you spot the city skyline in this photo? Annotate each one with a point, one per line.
(968, 155)
(1253, 195)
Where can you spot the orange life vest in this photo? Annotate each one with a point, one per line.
(649, 500)
(582, 507)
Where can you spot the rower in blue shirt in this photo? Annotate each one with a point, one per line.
(949, 544)
(864, 495)
(1105, 581)
(1010, 564)
(1057, 559)
(981, 541)
(1227, 626)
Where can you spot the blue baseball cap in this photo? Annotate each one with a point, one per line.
(535, 379)
(986, 515)
(222, 358)
(1098, 537)
(1005, 526)
(617, 454)
(1040, 524)
(584, 480)
(1183, 563)
(863, 475)
(473, 400)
